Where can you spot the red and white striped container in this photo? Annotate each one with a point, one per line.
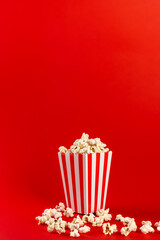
(85, 180)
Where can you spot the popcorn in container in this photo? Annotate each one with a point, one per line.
(85, 180)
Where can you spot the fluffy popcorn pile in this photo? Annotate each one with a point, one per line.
(86, 145)
(52, 217)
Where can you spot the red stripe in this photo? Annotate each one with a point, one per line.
(73, 180)
(97, 180)
(81, 181)
(89, 181)
(66, 177)
(104, 177)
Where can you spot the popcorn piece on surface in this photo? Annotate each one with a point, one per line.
(85, 219)
(73, 226)
(157, 225)
(49, 212)
(119, 218)
(109, 229)
(147, 222)
(68, 212)
(74, 233)
(86, 146)
(84, 229)
(50, 227)
(98, 221)
(107, 217)
(60, 207)
(60, 226)
(78, 220)
(91, 218)
(41, 220)
(125, 231)
(146, 228)
(62, 149)
(126, 220)
(58, 215)
(132, 225)
(50, 221)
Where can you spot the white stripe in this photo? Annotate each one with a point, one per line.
(85, 182)
(62, 174)
(70, 180)
(107, 177)
(93, 181)
(101, 166)
(76, 170)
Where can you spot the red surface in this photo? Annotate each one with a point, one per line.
(72, 66)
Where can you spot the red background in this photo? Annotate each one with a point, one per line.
(68, 67)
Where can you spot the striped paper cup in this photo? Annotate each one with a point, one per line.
(85, 180)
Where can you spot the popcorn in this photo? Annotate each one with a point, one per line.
(85, 219)
(49, 212)
(86, 146)
(91, 218)
(78, 220)
(57, 215)
(98, 221)
(42, 219)
(125, 231)
(50, 221)
(60, 207)
(84, 229)
(132, 225)
(74, 233)
(146, 222)
(157, 225)
(68, 212)
(101, 212)
(60, 226)
(73, 226)
(119, 218)
(146, 228)
(109, 229)
(50, 227)
(62, 149)
(107, 217)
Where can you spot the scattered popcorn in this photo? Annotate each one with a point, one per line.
(125, 231)
(107, 217)
(85, 218)
(101, 212)
(98, 221)
(109, 229)
(146, 222)
(50, 221)
(73, 226)
(74, 233)
(91, 218)
(86, 145)
(84, 229)
(119, 218)
(42, 219)
(68, 212)
(60, 226)
(49, 212)
(57, 215)
(146, 228)
(78, 220)
(126, 220)
(157, 225)
(132, 225)
(50, 227)
(60, 207)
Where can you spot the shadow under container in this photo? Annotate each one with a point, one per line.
(85, 180)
